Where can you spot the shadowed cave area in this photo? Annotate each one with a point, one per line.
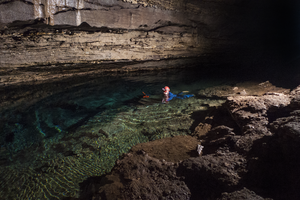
(83, 114)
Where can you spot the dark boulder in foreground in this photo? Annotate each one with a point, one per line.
(249, 153)
(140, 175)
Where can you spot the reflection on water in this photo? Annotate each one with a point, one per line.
(52, 146)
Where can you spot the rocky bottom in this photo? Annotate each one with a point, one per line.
(251, 146)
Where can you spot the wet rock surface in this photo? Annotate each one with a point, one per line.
(251, 147)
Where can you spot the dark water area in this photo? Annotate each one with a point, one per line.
(70, 130)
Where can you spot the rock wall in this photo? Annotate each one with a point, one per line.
(110, 45)
(47, 32)
(250, 34)
(114, 13)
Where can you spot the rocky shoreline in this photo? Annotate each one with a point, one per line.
(251, 146)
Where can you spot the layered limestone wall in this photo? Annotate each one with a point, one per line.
(118, 30)
(84, 47)
(113, 45)
(231, 29)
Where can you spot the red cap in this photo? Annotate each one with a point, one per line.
(166, 88)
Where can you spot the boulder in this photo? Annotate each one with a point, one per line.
(149, 171)
(252, 114)
(210, 174)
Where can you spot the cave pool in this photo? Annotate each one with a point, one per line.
(49, 148)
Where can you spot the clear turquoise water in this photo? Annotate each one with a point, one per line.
(50, 147)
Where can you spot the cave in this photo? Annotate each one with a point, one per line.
(86, 111)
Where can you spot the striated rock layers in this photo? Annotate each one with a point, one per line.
(76, 46)
(250, 152)
(50, 32)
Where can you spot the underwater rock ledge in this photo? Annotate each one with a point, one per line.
(251, 147)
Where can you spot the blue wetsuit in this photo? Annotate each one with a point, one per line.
(179, 96)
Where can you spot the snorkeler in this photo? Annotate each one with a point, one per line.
(166, 90)
(168, 96)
